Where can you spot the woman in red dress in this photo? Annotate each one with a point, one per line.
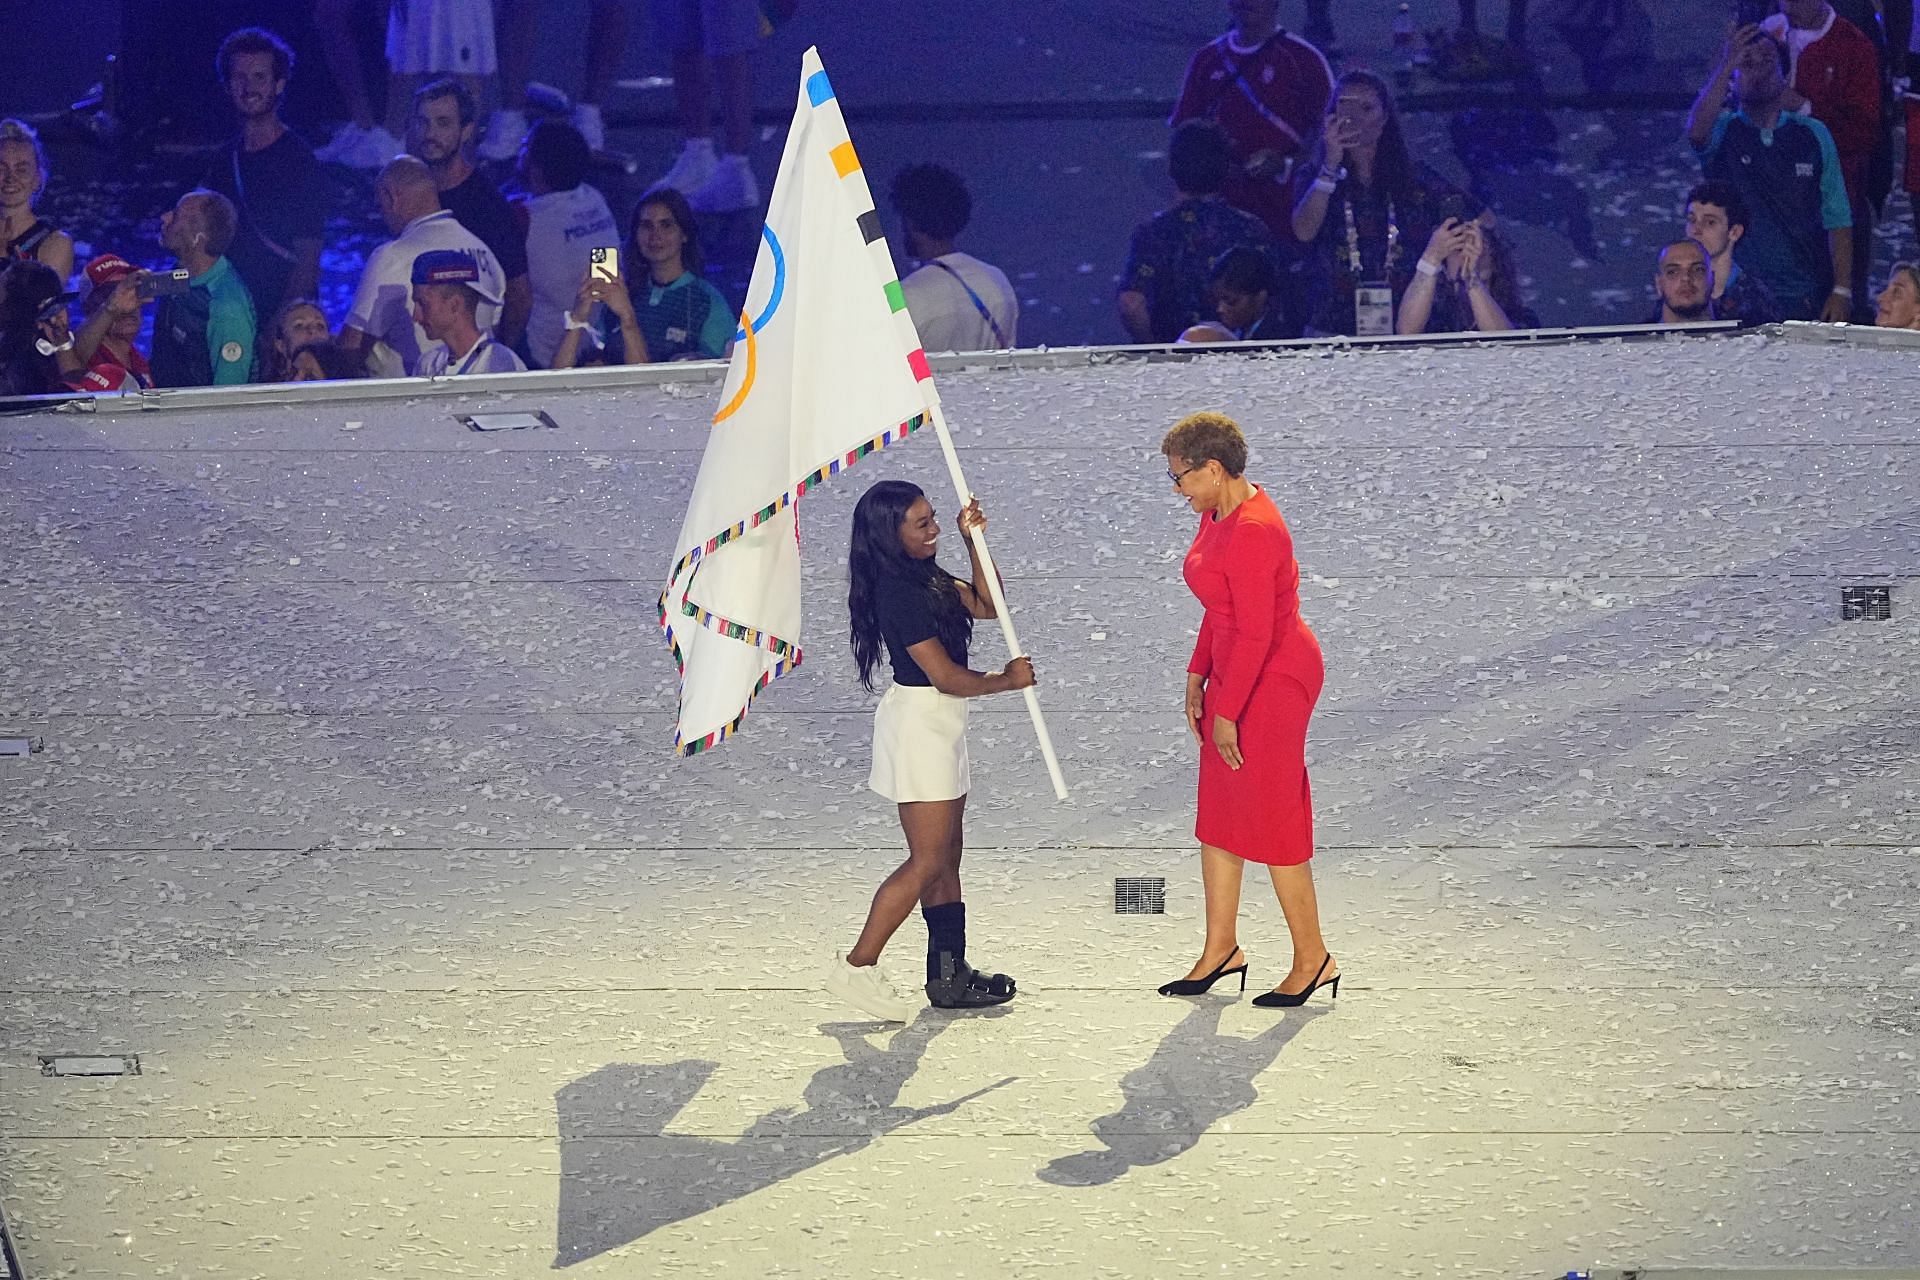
(1251, 685)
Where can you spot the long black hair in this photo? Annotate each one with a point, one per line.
(1394, 173)
(877, 564)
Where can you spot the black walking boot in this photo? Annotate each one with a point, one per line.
(961, 986)
(952, 983)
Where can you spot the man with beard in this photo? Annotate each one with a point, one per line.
(270, 175)
(1683, 279)
(440, 131)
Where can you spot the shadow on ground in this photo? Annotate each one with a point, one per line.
(622, 1176)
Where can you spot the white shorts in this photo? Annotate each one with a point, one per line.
(920, 745)
(441, 37)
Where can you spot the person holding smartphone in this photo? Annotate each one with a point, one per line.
(112, 300)
(1364, 210)
(677, 314)
(36, 347)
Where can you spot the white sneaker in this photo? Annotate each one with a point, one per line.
(375, 148)
(868, 990)
(592, 127)
(506, 130)
(693, 169)
(359, 148)
(731, 188)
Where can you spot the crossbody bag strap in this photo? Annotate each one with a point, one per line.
(979, 304)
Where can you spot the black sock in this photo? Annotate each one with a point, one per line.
(946, 932)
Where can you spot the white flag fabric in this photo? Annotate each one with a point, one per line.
(826, 368)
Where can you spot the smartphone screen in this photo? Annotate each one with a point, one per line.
(155, 284)
(603, 263)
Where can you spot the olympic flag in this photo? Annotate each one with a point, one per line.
(826, 368)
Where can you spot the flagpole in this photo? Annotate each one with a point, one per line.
(999, 598)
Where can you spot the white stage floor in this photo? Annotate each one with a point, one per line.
(356, 820)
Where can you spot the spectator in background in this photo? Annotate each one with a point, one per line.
(1683, 281)
(1833, 74)
(269, 174)
(37, 354)
(958, 303)
(380, 324)
(1898, 306)
(23, 176)
(518, 25)
(566, 220)
(431, 38)
(1163, 289)
(1799, 240)
(1717, 218)
(104, 347)
(440, 132)
(205, 336)
(449, 290)
(361, 142)
(1358, 205)
(678, 315)
(605, 300)
(296, 324)
(1464, 282)
(1246, 306)
(325, 361)
(711, 41)
(1266, 88)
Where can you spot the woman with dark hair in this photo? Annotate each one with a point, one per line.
(660, 307)
(1251, 687)
(37, 355)
(1358, 205)
(1464, 282)
(900, 597)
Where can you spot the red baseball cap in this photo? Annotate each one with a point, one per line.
(104, 272)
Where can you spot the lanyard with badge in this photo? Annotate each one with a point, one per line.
(1372, 299)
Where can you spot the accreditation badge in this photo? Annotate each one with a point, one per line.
(1373, 309)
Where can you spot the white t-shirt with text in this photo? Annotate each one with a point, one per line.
(562, 228)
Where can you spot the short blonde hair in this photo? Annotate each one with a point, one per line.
(1200, 438)
(23, 134)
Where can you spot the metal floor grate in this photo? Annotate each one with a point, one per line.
(1140, 895)
(1866, 604)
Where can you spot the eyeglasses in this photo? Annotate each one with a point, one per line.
(1178, 476)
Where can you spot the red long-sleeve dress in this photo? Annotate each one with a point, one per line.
(1263, 670)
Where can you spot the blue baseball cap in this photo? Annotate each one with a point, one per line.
(452, 266)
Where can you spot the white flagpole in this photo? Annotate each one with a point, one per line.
(999, 598)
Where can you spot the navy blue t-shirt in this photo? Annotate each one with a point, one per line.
(909, 606)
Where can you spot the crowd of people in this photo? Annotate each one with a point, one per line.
(1301, 211)
(470, 281)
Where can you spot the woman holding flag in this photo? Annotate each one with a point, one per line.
(899, 596)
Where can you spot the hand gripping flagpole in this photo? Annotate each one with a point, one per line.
(999, 598)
